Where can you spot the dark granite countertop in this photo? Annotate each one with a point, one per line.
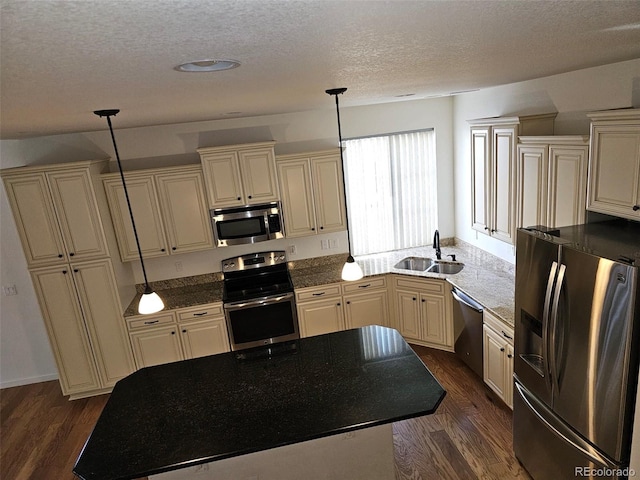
(196, 411)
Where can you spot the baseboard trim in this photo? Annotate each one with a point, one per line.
(26, 381)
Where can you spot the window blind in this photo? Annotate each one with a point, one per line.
(391, 191)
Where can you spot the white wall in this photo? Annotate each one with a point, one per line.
(25, 355)
(571, 94)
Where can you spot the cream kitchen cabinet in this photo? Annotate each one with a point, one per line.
(239, 174)
(614, 163)
(493, 170)
(551, 180)
(336, 306)
(169, 208)
(320, 310)
(498, 357)
(178, 335)
(56, 212)
(81, 311)
(423, 311)
(312, 192)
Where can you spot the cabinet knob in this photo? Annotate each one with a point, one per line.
(348, 303)
(239, 198)
(75, 270)
(636, 208)
(64, 272)
(321, 228)
(313, 229)
(71, 254)
(423, 300)
(184, 330)
(162, 250)
(493, 231)
(509, 356)
(173, 248)
(173, 333)
(414, 299)
(486, 228)
(60, 256)
(338, 304)
(502, 349)
(249, 196)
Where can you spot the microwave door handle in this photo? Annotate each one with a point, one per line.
(545, 319)
(553, 354)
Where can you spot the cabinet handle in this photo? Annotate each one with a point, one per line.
(319, 294)
(636, 208)
(199, 314)
(507, 336)
(151, 322)
(364, 286)
(502, 349)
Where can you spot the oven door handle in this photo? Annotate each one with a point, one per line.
(258, 302)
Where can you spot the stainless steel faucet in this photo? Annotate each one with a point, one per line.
(436, 244)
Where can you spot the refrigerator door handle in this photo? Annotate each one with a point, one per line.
(561, 430)
(545, 320)
(553, 354)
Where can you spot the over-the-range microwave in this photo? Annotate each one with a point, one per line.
(246, 224)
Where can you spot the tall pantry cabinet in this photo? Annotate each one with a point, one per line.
(57, 209)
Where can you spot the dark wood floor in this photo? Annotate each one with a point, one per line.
(469, 437)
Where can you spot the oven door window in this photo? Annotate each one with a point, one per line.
(241, 228)
(262, 322)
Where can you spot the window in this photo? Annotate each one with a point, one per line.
(391, 191)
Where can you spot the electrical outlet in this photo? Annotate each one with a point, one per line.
(324, 244)
(9, 290)
(333, 243)
(292, 249)
(178, 266)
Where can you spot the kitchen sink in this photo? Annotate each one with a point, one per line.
(445, 267)
(419, 264)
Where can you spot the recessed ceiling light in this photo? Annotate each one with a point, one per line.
(207, 65)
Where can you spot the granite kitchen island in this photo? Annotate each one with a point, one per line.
(306, 396)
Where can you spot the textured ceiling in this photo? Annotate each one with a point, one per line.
(62, 59)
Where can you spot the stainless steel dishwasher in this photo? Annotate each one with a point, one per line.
(467, 317)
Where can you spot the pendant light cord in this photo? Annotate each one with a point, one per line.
(108, 114)
(336, 92)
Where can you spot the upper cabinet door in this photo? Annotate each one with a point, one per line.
(297, 197)
(614, 170)
(77, 211)
(36, 219)
(146, 213)
(480, 186)
(328, 187)
(567, 185)
(532, 168)
(186, 216)
(503, 183)
(222, 177)
(258, 170)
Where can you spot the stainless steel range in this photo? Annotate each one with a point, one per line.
(259, 302)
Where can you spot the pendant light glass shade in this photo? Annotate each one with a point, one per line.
(351, 270)
(150, 301)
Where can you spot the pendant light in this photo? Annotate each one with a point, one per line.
(150, 302)
(351, 270)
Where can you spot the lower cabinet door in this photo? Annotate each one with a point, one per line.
(366, 309)
(319, 317)
(206, 337)
(156, 346)
(494, 361)
(65, 325)
(433, 319)
(408, 314)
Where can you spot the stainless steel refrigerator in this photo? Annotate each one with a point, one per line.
(576, 349)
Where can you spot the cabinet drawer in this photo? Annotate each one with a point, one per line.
(315, 293)
(363, 285)
(498, 326)
(147, 321)
(209, 310)
(424, 285)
